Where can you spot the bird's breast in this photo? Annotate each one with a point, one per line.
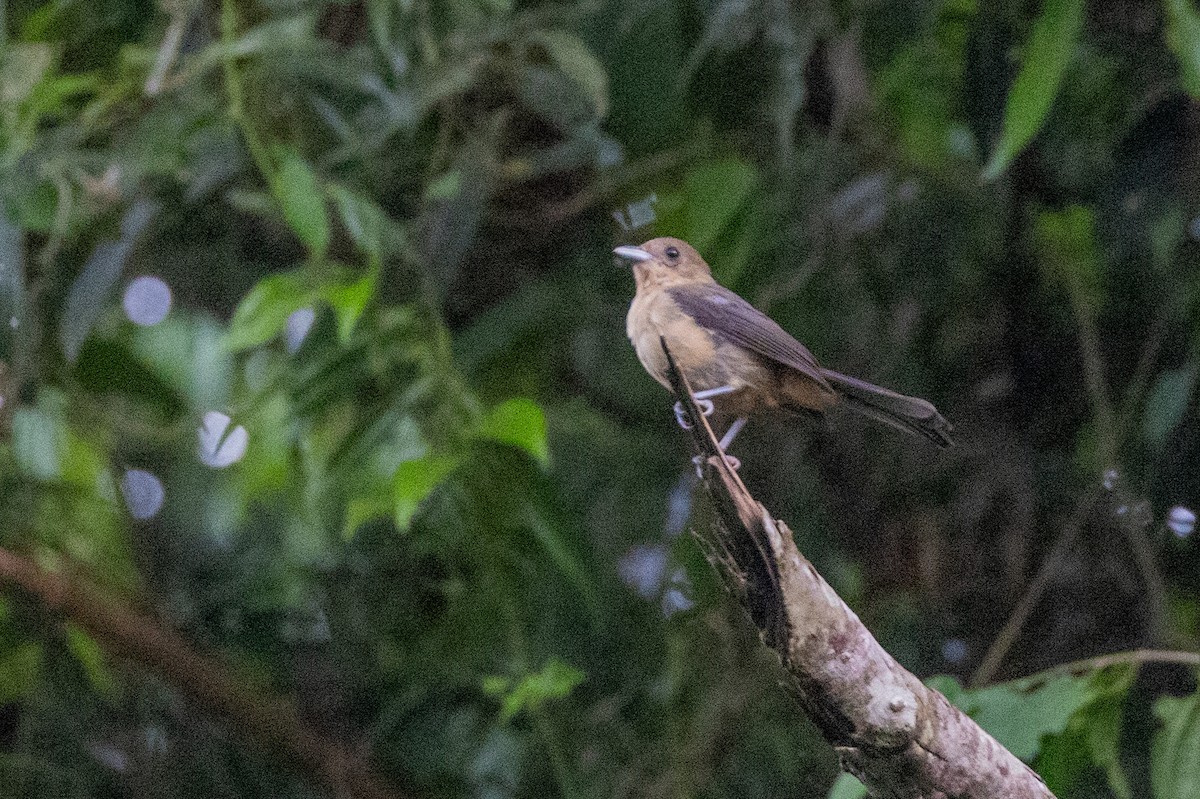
(707, 360)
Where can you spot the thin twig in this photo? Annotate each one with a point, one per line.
(1111, 440)
(1093, 372)
(1016, 621)
(168, 51)
(1132, 657)
(1137, 384)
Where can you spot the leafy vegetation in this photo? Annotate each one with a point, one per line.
(389, 456)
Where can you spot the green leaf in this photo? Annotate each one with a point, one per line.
(19, 668)
(88, 653)
(264, 311)
(1050, 48)
(1175, 750)
(716, 192)
(1101, 718)
(414, 481)
(12, 282)
(364, 508)
(95, 286)
(948, 687)
(555, 681)
(25, 64)
(847, 786)
(1183, 37)
(445, 186)
(299, 195)
(575, 60)
(1167, 402)
(1066, 242)
(1092, 736)
(519, 423)
(187, 354)
(1017, 718)
(349, 300)
(364, 220)
(39, 441)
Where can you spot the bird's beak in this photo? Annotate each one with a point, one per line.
(633, 253)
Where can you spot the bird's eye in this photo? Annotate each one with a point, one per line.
(672, 253)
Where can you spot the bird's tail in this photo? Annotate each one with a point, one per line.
(909, 414)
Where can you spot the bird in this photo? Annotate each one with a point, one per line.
(736, 358)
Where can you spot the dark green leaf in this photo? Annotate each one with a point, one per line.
(414, 481)
(1067, 245)
(95, 287)
(575, 60)
(847, 786)
(1049, 51)
(1175, 750)
(88, 653)
(303, 203)
(1167, 402)
(519, 423)
(716, 192)
(264, 312)
(1183, 35)
(19, 668)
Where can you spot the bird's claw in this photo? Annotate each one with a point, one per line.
(698, 461)
(681, 417)
(705, 406)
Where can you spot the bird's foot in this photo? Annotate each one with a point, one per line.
(706, 408)
(698, 462)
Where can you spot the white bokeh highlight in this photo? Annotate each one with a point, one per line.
(299, 322)
(143, 493)
(214, 447)
(1181, 521)
(147, 300)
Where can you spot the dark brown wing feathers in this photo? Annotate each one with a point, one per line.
(727, 315)
(721, 311)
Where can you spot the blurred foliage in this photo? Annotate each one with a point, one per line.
(454, 539)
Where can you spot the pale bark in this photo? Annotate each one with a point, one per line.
(902, 739)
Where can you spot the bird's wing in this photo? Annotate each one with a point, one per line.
(721, 311)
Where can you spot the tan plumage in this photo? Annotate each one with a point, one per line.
(720, 340)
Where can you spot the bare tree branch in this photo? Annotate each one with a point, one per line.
(902, 739)
(269, 722)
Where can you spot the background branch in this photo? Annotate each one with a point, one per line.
(270, 723)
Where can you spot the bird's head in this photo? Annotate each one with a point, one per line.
(665, 262)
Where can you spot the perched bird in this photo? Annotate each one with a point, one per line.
(733, 354)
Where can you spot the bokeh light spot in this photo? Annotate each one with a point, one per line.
(143, 493)
(147, 300)
(1181, 521)
(298, 324)
(642, 569)
(217, 449)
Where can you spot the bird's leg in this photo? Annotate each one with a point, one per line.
(731, 434)
(703, 402)
(723, 444)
